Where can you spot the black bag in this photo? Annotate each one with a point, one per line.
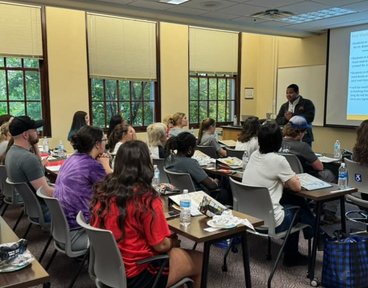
(345, 262)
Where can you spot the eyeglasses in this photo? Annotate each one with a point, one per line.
(104, 140)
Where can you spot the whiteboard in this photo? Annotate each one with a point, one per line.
(311, 81)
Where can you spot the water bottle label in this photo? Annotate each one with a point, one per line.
(343, 175)
(184, 203)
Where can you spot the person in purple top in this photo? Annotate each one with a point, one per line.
(73, 187)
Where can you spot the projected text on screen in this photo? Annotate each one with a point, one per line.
(357, 101)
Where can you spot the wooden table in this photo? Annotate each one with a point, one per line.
(196, 233)
(32, 275)
(320, 196)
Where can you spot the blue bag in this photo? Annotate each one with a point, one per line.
(345, 263)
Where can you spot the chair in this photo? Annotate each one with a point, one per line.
(357, 174)
(256, 201)
(208, 150)
(61, 234)
(160, 166)
(32, 209)
(294, 162)
(108, 266)
(180, 180)
(11, 197)
(235, 153)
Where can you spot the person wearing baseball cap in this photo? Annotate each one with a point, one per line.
(21, 164)
(292, 143)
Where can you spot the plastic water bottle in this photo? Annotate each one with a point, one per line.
(343, 177)
(185, 209)
(156, 177)
(45, 145)
(235, 120)
(61, 152)
(192, 130)
(337, 149)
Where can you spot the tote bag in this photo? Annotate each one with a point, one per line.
(345, 263)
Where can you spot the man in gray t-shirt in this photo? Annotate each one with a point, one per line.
(21, 164)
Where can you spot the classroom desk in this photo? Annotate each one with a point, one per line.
(32, 275)
(236, 174)
(320, 196)
(196, 233)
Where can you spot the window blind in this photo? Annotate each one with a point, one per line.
(20, 30)
(213, 51)
(121, 48)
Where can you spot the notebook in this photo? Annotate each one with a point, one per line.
(310, 182)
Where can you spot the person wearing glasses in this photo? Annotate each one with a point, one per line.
(88, 165)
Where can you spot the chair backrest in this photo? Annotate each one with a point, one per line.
(208, 150)
(357, 175)
(294, 162)
(6, 189)
(255, 201)
(108, 265)
(180, 180)
(32, 206)
(235, 153)
(59, 225)
(160, 166)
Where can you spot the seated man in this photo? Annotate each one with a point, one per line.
(292, 143)
(293, 134)
(21, 164)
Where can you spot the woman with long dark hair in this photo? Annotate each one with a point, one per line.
(126, 204)
(80, 119)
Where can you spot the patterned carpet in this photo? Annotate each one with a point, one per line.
(63, 268)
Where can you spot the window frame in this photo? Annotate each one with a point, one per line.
(44, 80)
(217, 76)
(118, 101)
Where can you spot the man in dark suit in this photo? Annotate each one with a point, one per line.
(297, 105)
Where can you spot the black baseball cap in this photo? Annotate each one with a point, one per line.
(23, 123)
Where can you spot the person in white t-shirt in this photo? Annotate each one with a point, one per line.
(268, 169)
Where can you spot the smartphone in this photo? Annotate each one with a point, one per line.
(172, 214)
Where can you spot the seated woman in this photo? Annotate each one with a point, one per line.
(180, 120)
(268, 169)
(88, 165)
(157, 138)
(114, 120)
(126, 204)
(169, 122)
(184, 144)
(360, 150)
(80, 119)
(206, 136)
(248, 140)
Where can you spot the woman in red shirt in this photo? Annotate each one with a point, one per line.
(126, 204)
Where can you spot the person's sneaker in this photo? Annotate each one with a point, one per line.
(295, 260)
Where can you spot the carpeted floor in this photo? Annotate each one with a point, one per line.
(63, 268)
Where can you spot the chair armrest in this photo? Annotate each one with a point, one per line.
(153, 258)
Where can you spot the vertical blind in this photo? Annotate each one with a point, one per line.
(20, 30)
(121, 48)
(213, 51)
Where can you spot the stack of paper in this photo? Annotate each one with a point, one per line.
(310, 182)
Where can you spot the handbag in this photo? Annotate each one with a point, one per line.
(345, 262)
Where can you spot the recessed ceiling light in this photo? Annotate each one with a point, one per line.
(317, 15)
(174, 2)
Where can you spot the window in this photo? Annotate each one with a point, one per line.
(20, 87)
(134, 100)
(211, 95)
